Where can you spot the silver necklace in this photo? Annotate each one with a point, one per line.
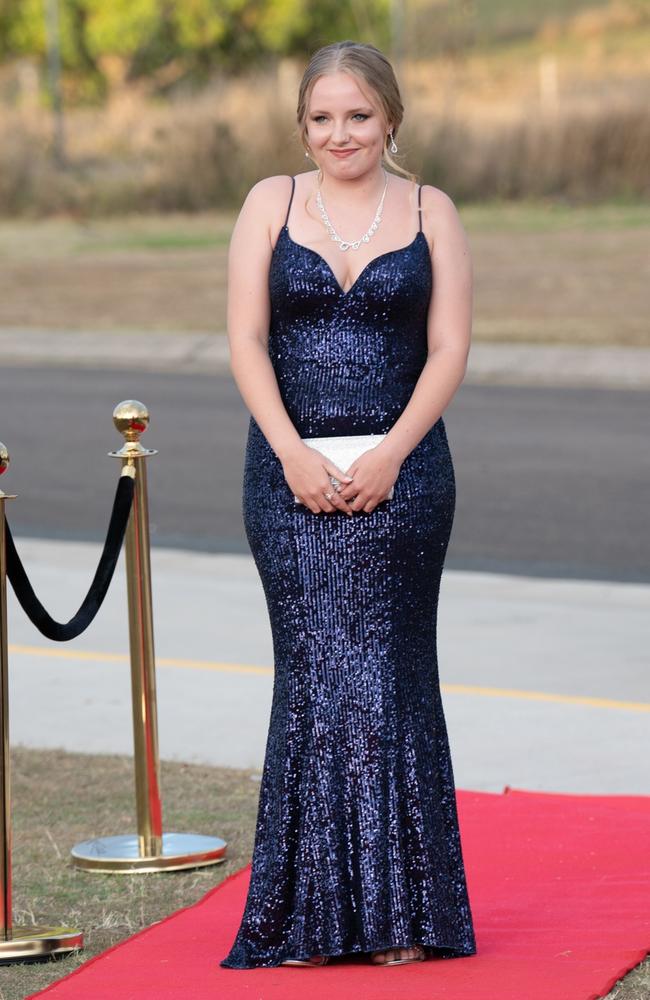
(354, 244)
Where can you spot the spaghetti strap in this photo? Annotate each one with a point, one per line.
(420, 206)
(293, 187)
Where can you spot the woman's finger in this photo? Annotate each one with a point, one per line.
(333, 470)
(336, 500)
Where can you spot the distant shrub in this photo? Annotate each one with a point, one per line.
(206, 151)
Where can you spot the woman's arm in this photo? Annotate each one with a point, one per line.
(448, 335)
(249, 313)
(449, 327)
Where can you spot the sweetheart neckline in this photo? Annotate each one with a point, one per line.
(343, 293)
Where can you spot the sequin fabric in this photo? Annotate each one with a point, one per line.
(357, 844)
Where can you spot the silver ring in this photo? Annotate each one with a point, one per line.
(328, 496)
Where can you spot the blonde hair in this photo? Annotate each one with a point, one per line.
(370, 67)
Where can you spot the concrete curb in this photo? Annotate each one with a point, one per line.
(494, 363)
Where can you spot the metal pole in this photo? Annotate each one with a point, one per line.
(16, 943)
(143, 668)
(54, 74)
(151, 850)
(5, 792)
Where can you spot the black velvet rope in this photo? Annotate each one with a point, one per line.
(62, 632)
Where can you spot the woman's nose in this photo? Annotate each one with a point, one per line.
(340, 133)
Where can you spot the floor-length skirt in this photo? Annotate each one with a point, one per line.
(357, 844)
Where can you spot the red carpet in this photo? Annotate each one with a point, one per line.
(560, 892)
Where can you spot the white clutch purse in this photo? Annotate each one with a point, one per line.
(343, 450)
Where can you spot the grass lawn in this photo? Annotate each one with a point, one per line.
(544, 273)
(61, 798)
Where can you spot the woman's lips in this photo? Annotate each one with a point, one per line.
(342, 153)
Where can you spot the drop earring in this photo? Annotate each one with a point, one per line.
(393, 144)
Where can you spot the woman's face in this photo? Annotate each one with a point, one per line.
(340, 117)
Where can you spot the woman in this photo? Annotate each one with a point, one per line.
(357, 846)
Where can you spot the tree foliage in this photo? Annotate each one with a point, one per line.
(142, 37)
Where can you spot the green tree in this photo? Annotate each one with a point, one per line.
(116, 40)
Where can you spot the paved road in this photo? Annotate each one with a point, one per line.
(550, 481)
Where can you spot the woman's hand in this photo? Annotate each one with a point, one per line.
(307, 473)
(373, 472)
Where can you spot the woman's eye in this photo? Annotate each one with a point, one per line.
(359, 114)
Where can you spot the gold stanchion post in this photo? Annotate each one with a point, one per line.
(152, 850)
(16, 943)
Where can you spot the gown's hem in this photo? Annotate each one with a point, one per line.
(453, 952)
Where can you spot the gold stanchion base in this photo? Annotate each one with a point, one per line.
(122, 854)
(25, 943)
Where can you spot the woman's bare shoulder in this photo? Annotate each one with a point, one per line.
(267, 186)
(437, 203)
(274, 188)
(262, 212)
(440, 219)
(269, 192)
(267, 202)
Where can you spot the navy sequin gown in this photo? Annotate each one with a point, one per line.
(357, 844)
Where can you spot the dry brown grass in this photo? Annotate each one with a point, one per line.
(60, 799)
(193, 162)
(562, 114)
(542, 273)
